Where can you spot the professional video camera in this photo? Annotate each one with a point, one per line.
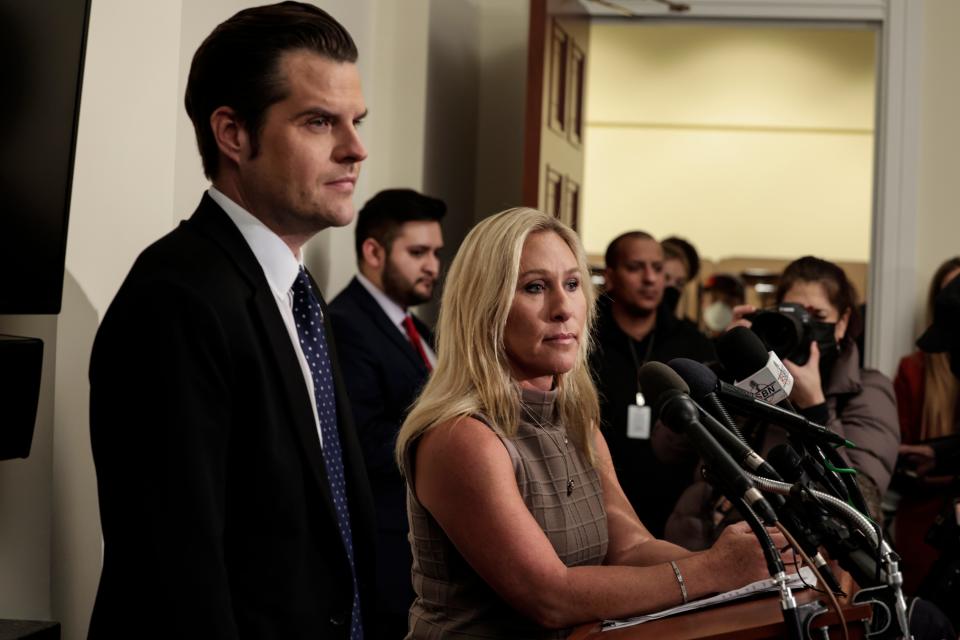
(788, 329)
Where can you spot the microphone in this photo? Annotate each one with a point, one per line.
(679, 413)
(703, 390)
(743, 353)
(755, 369)
(747, 403)
(787, 461)
(702, 384)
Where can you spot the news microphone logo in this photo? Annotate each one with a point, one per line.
(771, 384)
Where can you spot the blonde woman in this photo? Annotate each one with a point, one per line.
(927, 397)
(519, 527)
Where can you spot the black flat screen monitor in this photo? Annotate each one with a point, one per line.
(42, 43)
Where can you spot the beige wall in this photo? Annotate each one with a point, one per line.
(938, 220)
(747, 140)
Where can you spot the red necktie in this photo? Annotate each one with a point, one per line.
(415, 339)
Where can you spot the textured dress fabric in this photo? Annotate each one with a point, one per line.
(452, 600)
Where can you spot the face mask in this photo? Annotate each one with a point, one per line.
(824, 334)
(671, 297)
(717, 316)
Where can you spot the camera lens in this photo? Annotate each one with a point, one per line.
(783, 333)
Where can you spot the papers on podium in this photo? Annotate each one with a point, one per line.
(806, 578)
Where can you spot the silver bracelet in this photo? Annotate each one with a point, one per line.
(683, 585)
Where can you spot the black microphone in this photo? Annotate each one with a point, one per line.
(747, 403)
(703, 390)
(755, 369)
(805, 524)
(677, 411)
(655, 378)
(743, 353)
(698, 379)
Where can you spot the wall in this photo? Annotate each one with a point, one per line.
(25, 508)
(938, 220)
(767, 129)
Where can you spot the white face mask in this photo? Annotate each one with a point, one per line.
(717, 316)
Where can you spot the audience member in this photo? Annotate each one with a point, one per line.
(518, 524)
(928, 394)
(721, 293)
(386, 354)
(232, 494)
(633, 328)
(676, 275)
(689, 251)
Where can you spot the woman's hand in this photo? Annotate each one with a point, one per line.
(737, 558)
(739, 312)
(807, 391)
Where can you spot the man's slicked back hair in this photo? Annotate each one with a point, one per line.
(383, 214)
(238, 66)
(612, 255)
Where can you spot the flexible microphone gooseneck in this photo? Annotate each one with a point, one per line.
(743, 353)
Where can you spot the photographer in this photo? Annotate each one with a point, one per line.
(830, 387)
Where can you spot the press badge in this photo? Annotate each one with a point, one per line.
(638, 420)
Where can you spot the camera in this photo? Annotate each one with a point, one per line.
(787, 329)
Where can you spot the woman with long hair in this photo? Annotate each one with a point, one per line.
(519, 528)
(927, 397)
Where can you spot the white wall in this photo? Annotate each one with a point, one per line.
(123, 199)
(938, 220)
(731, 134)
(25, 508)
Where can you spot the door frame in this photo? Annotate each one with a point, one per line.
(892, 281)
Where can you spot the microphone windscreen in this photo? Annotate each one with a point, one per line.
(786, 461)
(742, 352)
(698, 377)
(655, 378)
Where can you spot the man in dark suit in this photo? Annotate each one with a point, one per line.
(233, 497)
(387, 354)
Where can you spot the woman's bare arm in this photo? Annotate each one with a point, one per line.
(464, 477)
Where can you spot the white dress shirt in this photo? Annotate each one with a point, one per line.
(280, 267)
(397, 314)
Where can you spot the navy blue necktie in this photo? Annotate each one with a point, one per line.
(313, 342)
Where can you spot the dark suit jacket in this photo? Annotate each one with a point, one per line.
(216, 512)
(383, 373)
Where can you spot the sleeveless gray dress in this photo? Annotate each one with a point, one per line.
(452, 601)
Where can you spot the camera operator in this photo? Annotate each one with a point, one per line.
(830, 387)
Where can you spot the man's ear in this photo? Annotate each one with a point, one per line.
(374, 253)
(230, 134)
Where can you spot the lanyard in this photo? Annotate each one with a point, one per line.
(646, 356)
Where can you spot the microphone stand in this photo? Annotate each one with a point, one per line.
(888, 558)
(788, 604)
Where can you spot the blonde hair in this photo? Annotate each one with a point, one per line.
(473, 375)
(940, 387)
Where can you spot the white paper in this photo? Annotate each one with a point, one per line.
(793, 581)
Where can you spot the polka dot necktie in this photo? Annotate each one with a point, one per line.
(313, 342)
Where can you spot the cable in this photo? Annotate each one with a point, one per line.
(833, 599)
